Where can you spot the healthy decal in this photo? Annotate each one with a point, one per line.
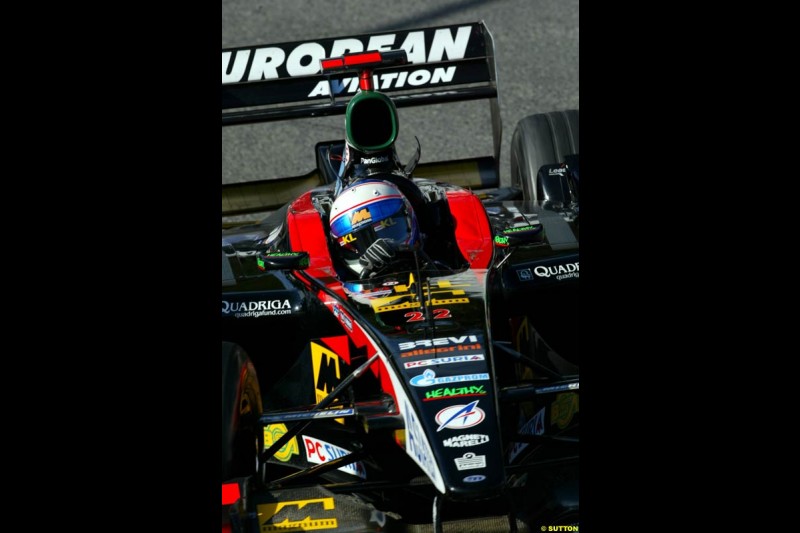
(428, 378)
(453, 392)
(460, 416)
(297, 515)
(272, 433)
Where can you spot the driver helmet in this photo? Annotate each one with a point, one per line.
(367, 211)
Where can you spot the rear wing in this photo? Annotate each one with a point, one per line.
(285, 81)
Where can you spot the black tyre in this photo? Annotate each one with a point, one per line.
(241, 407)
(541, 139)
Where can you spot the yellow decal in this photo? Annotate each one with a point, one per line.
(362, 215)
(385, 223)
(563, 409)
(449, 301)
(404, 298)
(404, 305)
(291, 515)
(327, 372)
(272, 433)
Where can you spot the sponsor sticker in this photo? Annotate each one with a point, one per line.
(374, 160)
(296, 515)
(463, 441)
(441, 341)
(320, 452)
(327, 413)
(509, 231)
(404, 298)
(256, 309)
(416, 443)
(453, 392)
(329, 370)
(360, 217)
(272, 433)
(474, 479)
(470, 461)
(428, 378)
(303, 59)
(524, 274)
(534, 426)
(460, 416)
(559, 272)
(445, 360)
(343, 317)
(563, 409)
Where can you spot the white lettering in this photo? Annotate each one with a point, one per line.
(381, 42)
(373, 160)
(414, 45)
(416, 443)
(236, 73)
(295, 64)
(256, 309)
(443, 42)
(419, 77)
(462, 441)
(265, 64)
(402, 80)
(566, 270)
(441, 75)
(388, 78)
(441, 341)
(346, 46)
(320, 89)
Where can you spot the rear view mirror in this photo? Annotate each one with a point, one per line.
(282, 261)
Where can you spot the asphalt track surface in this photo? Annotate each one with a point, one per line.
(536, 45)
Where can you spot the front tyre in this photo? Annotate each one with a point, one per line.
(241, 408)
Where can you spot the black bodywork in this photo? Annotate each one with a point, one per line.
(446, 393)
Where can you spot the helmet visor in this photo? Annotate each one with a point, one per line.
(396, 228)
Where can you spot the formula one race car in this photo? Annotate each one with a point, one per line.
(400, 344)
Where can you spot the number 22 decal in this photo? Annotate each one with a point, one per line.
(417, 316)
